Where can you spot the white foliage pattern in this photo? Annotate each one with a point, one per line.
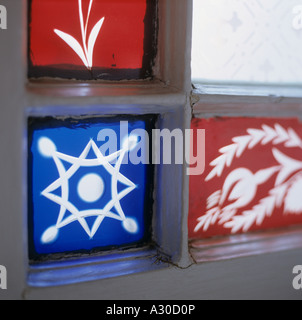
(241, 185)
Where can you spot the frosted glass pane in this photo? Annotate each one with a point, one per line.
(255, 41)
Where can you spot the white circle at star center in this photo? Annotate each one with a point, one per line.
(91, 188)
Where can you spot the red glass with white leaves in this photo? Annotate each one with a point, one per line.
(253, 177)
(92, 39)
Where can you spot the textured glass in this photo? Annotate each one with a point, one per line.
(254, 41)
(84, 192)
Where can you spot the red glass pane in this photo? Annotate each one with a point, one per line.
(92, 39)
(253, 177)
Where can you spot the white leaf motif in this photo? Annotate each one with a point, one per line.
(257, 135)
(282, 134)
(92, 39)
(279, 194)
(270, 135)
(74, 44)
(294, 141)
(264, 175)
(84, 52)
(208, 219)
(289, 166)
(293, 200)
(265, 208)
(242, 143)
(82, 26)
(276, 135)
(213, 200)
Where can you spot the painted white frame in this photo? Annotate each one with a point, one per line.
(72, 98)
(261, 276)
(163, 96)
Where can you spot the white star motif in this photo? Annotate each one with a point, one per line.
(48, 149)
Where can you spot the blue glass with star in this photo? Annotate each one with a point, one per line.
(86, 194)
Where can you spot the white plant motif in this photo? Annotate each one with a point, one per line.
(241, 186)
(85, 52)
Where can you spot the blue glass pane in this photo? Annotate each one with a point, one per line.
(85, 191)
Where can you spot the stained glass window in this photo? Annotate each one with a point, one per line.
(253, 177)
(90, 184)
(92, 39)
(247, 41)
